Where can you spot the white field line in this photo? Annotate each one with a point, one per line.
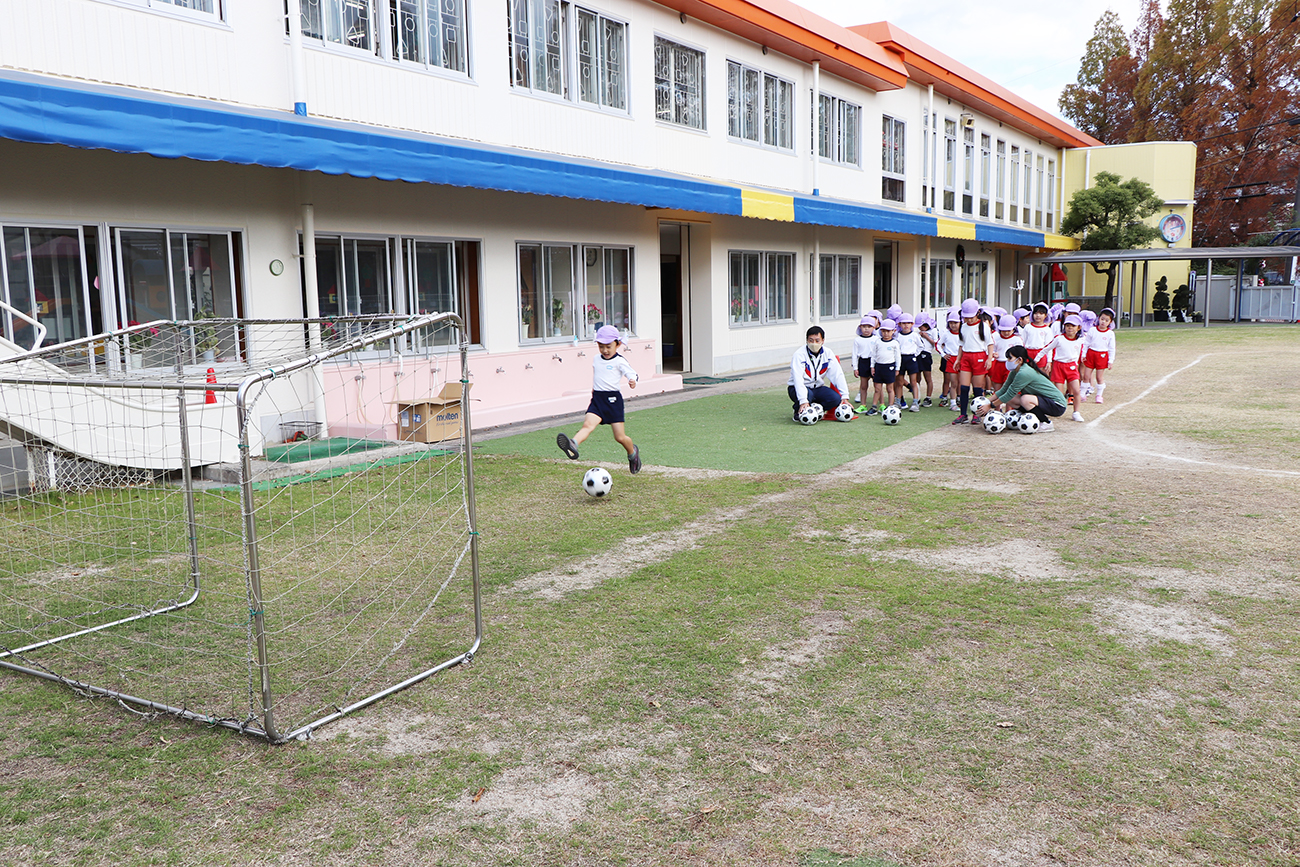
(1092, 425)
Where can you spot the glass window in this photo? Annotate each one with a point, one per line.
(431, 32)
(352, 277)
(949, 164)
(44, 273)
(986, 172)
(839, 133)
(344, 22)
(608, 297)
(941, 283)
(1038, 195)
(1001, 189)
(762, 287)
(975, 281)
(214, 8)
(552, 306)
(892, 150)
(839, 289)
(1014, 195)
(679, 84)
(759, 106)
(536, 32)
(442, 277)
(1051, 192)
(1029, 182)
(602, 57)
(968, 169)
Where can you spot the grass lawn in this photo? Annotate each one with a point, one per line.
(1080, 648)
(747, 432)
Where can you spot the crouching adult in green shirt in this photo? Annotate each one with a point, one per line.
(1029, 390)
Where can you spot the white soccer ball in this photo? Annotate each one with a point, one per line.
(892, 414)
(1013, 417)
(844, 412)
(1028, 423)
(995, 422)
(820, 410)
(808, 415)
(597, 482)
(977, 404)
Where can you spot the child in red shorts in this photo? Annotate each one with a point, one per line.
(1004, 340)
(1099, 353)
(1065, 350)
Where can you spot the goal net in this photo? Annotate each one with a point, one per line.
(257, 524)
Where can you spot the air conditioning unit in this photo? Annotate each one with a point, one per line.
(968, 121)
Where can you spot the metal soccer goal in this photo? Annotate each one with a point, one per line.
(256, 524)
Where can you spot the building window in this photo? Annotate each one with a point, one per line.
(554, 305)
(1029, 182)
(608, 273)
(602, 60)
(986, 173)
(343, 22)
(46, 273)
(1051, 192)
(949, 164)
(759, 106)
(762, 287)
(941, 288)
(430, 32)
(968, 170)
(892, 148)
(839, 279)
(352, 276)
(838, 131)
(1038, 195)
(999, 209)
(536, 45)
(443, 277)
(927, 161)
(206, 8)
(1014, 195)
(679, 84)
(975, 281)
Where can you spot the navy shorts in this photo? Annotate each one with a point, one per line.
(864, 368)
(608, 405)
(924, 362)
(908, 364)
(883, 374)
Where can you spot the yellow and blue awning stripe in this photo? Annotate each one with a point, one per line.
(41, 110)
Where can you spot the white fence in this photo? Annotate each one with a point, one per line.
(1228, 301)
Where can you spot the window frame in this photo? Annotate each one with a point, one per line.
(975, 268)
(185, 13)
(941, 292)
(392, 10)
(468, 300)
(576, 327)
(763, 111)
(839, 263)
(1051, 193)
(986, 173)
(1013, 191)
(1000, 195)
(832, 134)
(759, 305)
(7, 267)
(968, 169)
(601, 62)
(950, 165)
(893, 142)
(1026, 193)
(1038, 192)
(671, 84)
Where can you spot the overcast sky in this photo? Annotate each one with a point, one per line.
(1032, 50)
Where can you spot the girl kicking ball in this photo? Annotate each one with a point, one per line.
(606, 407)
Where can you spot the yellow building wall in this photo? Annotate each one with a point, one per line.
(1170, 168)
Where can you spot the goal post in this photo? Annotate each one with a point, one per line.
(186, 542)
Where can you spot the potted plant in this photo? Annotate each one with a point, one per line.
(137, 342)
(557, 317)
(1182, 300)
(206, 338)
(1160, 303)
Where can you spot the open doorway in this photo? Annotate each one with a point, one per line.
(882, 295)
(674, 296)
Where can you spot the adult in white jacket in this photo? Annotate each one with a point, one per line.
(816, 375)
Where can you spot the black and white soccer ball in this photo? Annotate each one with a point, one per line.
(844, 412)
(995, 422)
(977, 404)
(1028, 423)
(597, 482)
(820, 410)
(1013, 417)
(807, 415)
(892, 414)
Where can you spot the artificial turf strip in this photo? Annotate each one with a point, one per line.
(748, 432)
(310, 450)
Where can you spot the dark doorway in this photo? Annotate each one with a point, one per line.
(882, 294)
(673, 324)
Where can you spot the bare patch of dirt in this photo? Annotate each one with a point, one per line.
(552, 797)
(823, 631)
(1024, 560)
(1140, 624)
(1243, 582)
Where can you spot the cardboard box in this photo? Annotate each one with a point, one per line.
(431, 419)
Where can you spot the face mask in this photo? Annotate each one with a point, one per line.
(814, 350)
(1012, 364)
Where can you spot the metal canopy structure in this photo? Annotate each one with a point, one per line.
(1147, 255)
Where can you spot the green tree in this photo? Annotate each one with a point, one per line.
(1109, 216)
(1101, 101)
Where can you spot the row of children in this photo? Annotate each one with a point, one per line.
(896, 352)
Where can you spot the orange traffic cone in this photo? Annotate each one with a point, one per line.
(210, 396)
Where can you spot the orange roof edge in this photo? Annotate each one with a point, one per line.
(924, 61)
(787, 27)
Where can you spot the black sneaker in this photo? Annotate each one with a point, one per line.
(634, 460)
(873, 411)
(961, 419)
(567, 446)
(926, 403)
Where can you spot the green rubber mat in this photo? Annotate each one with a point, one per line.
(708, 380)
(335, 472)
(310, 450)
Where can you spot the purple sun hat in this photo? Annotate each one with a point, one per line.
(1088, 316)
(1055, 311)
(607, 334)
(970, 307)
(1072, 308)
(1020, 312)
(906, 317)
(893, 312)
(954, 316)
(888, 325)
(1007, 323)
(1073, 319)
(867, 320)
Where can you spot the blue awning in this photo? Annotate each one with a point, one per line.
(44, 111)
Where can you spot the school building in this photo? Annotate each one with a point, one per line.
(711, 176)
